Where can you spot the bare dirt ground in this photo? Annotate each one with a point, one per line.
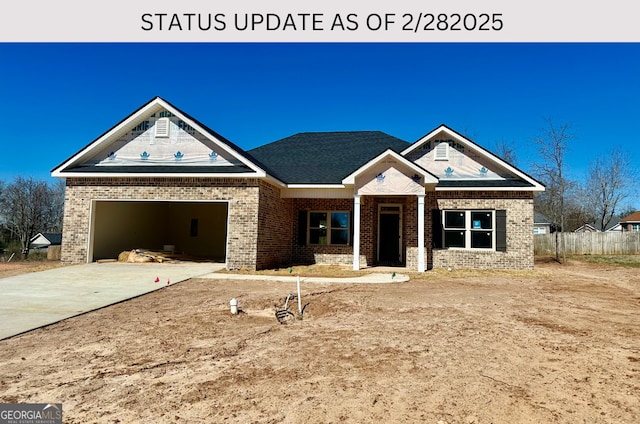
(8, 269)
(560, 344)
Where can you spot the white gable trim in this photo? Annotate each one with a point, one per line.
(427, 176)
(320, 186)
(483, 152)
(488, 188)
(153, 106)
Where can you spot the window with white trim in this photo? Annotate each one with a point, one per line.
(464, 229)
(539, 230)
(329, 227)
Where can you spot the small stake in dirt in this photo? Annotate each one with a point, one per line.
(299, 300)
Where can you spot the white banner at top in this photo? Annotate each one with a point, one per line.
(326, 21)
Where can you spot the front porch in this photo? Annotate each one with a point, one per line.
(383, 232)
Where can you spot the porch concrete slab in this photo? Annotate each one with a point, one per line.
(36, 299)
(373, 278)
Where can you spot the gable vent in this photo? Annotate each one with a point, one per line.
(162, 127)
(442, 151)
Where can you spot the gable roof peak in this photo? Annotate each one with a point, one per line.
(465, 141)
(78, 164)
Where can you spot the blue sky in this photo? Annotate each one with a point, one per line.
(56, 98)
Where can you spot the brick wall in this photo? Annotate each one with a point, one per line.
(327, 255)
(242, 195)
(275, 228)
(263, 228)
(519, 207)
(343, 255)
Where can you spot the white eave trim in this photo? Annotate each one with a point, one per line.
(428, 177)
(153, 105)
(489, 189)
(483, 152)
(318, 186)
(155, 175)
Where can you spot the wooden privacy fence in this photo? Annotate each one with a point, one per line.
(618, 243)
(54, 253)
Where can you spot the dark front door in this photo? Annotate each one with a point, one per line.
(389, 250)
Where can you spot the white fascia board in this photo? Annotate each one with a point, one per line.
(211, 137)
(428, 177)
(106, 137)
(416, 144)
(155, 175)
(273, 180)
(319, 186)
(154, 105)
(534, 189)
(482, 151)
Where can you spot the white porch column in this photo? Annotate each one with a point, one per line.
(421, 233)
(356, 232)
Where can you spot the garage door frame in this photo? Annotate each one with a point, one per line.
(92, 219)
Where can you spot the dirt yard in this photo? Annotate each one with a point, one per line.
(8, 269)
(556, 345)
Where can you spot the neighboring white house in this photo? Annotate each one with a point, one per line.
(44, 240)
(541, 224)
(613, 226)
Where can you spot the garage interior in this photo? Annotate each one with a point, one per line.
(194, 229)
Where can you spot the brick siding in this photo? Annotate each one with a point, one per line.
(519, 253)
(242, 195)
(519, 207)
(315, 254)
(275, 228)
(263, 227)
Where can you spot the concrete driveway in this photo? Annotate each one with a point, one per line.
(36, 299)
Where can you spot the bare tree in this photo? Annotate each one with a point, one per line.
(626, 210)
(506, 151)
(553, 145)
(28, 206)
(57, 191)
(608, 184)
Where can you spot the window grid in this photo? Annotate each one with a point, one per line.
(329, 228)
(469, 229)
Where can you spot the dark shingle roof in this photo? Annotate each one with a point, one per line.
(54, 238)
(323, 157)
(615, 220)
(540, 218)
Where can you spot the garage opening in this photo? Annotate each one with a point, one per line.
(196, 229)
